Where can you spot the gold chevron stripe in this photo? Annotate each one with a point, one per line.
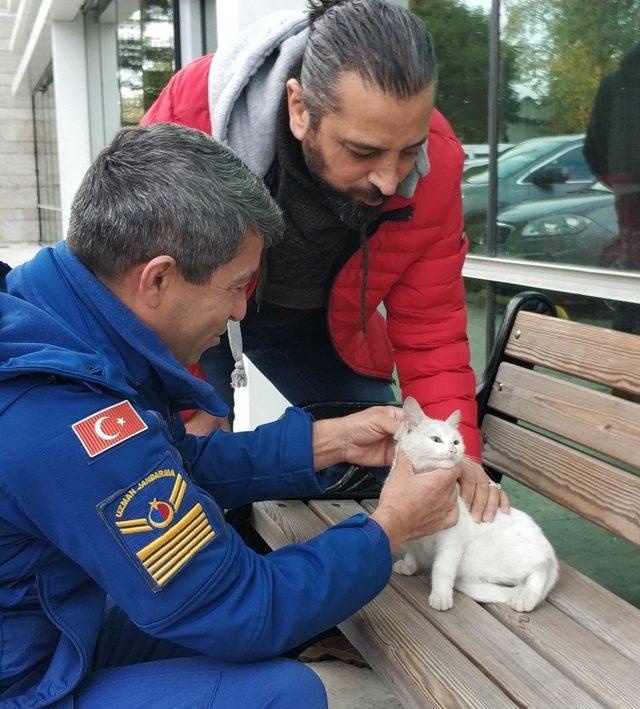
(159, 558)
(177, 486)
(171, 559)
(188, 554)
(156, 544)
(183, 489)
(136, 530)
(132, 522)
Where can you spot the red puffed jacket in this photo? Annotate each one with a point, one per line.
(415, 269)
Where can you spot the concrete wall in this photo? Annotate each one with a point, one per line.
(18, 192)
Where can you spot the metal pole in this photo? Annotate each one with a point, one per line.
(492, 136)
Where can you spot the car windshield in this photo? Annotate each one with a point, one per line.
(520, 156)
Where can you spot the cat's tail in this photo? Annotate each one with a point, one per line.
(524, 597)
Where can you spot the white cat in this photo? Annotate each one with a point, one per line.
(505, 561)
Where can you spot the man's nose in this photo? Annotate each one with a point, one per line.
(385, 178)
(239, 309)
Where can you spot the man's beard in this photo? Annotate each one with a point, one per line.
(349, 209)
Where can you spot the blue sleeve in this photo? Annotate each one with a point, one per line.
(274, 461)
(136, 523)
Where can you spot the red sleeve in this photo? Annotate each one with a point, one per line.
(196, 370)
(427, 318)
(185, 99)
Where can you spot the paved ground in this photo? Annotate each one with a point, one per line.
(14, 255)
(350, 687)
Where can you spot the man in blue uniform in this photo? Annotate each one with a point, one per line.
(120, 581)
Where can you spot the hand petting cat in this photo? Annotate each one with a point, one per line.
(363, 438)
(366, 438)
(481, 497)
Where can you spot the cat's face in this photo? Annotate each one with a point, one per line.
(429, 443)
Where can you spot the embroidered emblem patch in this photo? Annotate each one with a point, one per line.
(160, 523)
(108, 427)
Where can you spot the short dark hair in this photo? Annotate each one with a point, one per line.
(384, 44)
(166, 189)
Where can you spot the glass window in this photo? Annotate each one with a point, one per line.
(577, 81)
(145, 54)
(573, 162)
(131, 57)
(46, 144)
(460, 32)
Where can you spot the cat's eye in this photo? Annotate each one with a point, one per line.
(436, 439)
(455, 443)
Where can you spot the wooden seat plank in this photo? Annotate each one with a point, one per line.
(604, 423)
(405, 650)
(606, 615)
(594, 353)
(417, 643)
(603, 613)
(608, 676)
(596, 490)
(524, 675)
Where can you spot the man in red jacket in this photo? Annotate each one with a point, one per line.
(334, 110)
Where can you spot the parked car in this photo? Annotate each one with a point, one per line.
(574, 229)
(541, 168)
(477, 156)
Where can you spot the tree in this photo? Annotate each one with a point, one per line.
(565, 47)
(461, 38)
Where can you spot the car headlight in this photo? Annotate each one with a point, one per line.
(556, 225)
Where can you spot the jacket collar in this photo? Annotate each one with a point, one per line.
(86, 332)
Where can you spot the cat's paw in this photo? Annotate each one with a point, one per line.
(404, 567)
(523, 601)
(441, 601)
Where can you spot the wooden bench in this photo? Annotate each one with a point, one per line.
(572, 442)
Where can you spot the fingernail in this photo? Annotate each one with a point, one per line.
(475, 517)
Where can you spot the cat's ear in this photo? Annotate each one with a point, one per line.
(454, 419)
(413, 415)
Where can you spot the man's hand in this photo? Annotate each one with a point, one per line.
(413, 506)
(363, 438)
(481, 498)
(202, 424)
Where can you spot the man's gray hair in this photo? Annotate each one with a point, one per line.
(384, 44)
(168, 190)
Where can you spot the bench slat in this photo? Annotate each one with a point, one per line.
(600, 492)
(600, 421)
(405, 643)
(610, 677)
(281, 522)
(611, 358)
(522, 673)
(591, 605)
(603, 613)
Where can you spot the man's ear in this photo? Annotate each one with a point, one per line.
(156, 278)
(299, 119)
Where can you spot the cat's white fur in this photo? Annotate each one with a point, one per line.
(508, 560)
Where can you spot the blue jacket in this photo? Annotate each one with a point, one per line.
(103, 492)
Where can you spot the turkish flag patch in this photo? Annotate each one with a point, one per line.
(108, 427)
